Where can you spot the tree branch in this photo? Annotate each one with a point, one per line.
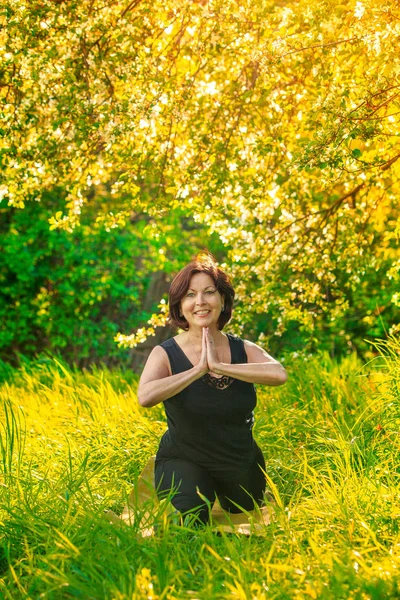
(354, 39)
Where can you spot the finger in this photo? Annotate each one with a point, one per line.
(204, 341)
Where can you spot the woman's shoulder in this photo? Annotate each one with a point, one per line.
(168, 343)
(172, 340)
(235, 338)
(238, 349)
(173, 343)
(238, 339)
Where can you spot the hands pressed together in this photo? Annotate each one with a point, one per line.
(158, 384)
(209, 360)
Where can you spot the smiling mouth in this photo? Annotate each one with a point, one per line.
(202, 313)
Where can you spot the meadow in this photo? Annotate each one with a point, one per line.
(74, 442)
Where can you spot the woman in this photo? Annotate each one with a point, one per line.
(205, 379)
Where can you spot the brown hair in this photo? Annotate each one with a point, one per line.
(204, 263)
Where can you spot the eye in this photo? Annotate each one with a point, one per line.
(190, 294)
(211, 292)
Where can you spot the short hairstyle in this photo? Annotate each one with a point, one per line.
(180, 284)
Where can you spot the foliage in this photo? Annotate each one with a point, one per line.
(71, 293)
(66, 292)
(73, 443)
(273, 125)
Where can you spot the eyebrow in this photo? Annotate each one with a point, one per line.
(206, 288)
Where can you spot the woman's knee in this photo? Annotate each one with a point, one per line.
(192, 509)
(190, 488)
(238, 501)
(245, 493)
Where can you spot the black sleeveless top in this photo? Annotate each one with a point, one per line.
(210, 422)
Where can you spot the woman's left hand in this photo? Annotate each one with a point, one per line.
(212, 356)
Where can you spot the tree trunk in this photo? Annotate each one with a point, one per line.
(157, 289)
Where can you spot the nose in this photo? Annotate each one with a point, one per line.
(200, 299)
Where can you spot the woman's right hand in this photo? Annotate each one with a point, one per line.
(203, 363)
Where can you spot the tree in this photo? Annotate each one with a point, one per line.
(71, 293)
(273, 124)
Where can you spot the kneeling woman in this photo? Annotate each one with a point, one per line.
(205, 379)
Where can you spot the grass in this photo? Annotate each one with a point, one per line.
(73, 444)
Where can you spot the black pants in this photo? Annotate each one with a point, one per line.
(185, 479)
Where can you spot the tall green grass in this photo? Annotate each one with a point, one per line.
(73, 444)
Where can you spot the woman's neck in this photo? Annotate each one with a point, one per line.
(196, 333)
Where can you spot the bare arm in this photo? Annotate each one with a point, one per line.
(260, 368)
(156, 383)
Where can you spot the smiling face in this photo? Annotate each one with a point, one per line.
(202, 303)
